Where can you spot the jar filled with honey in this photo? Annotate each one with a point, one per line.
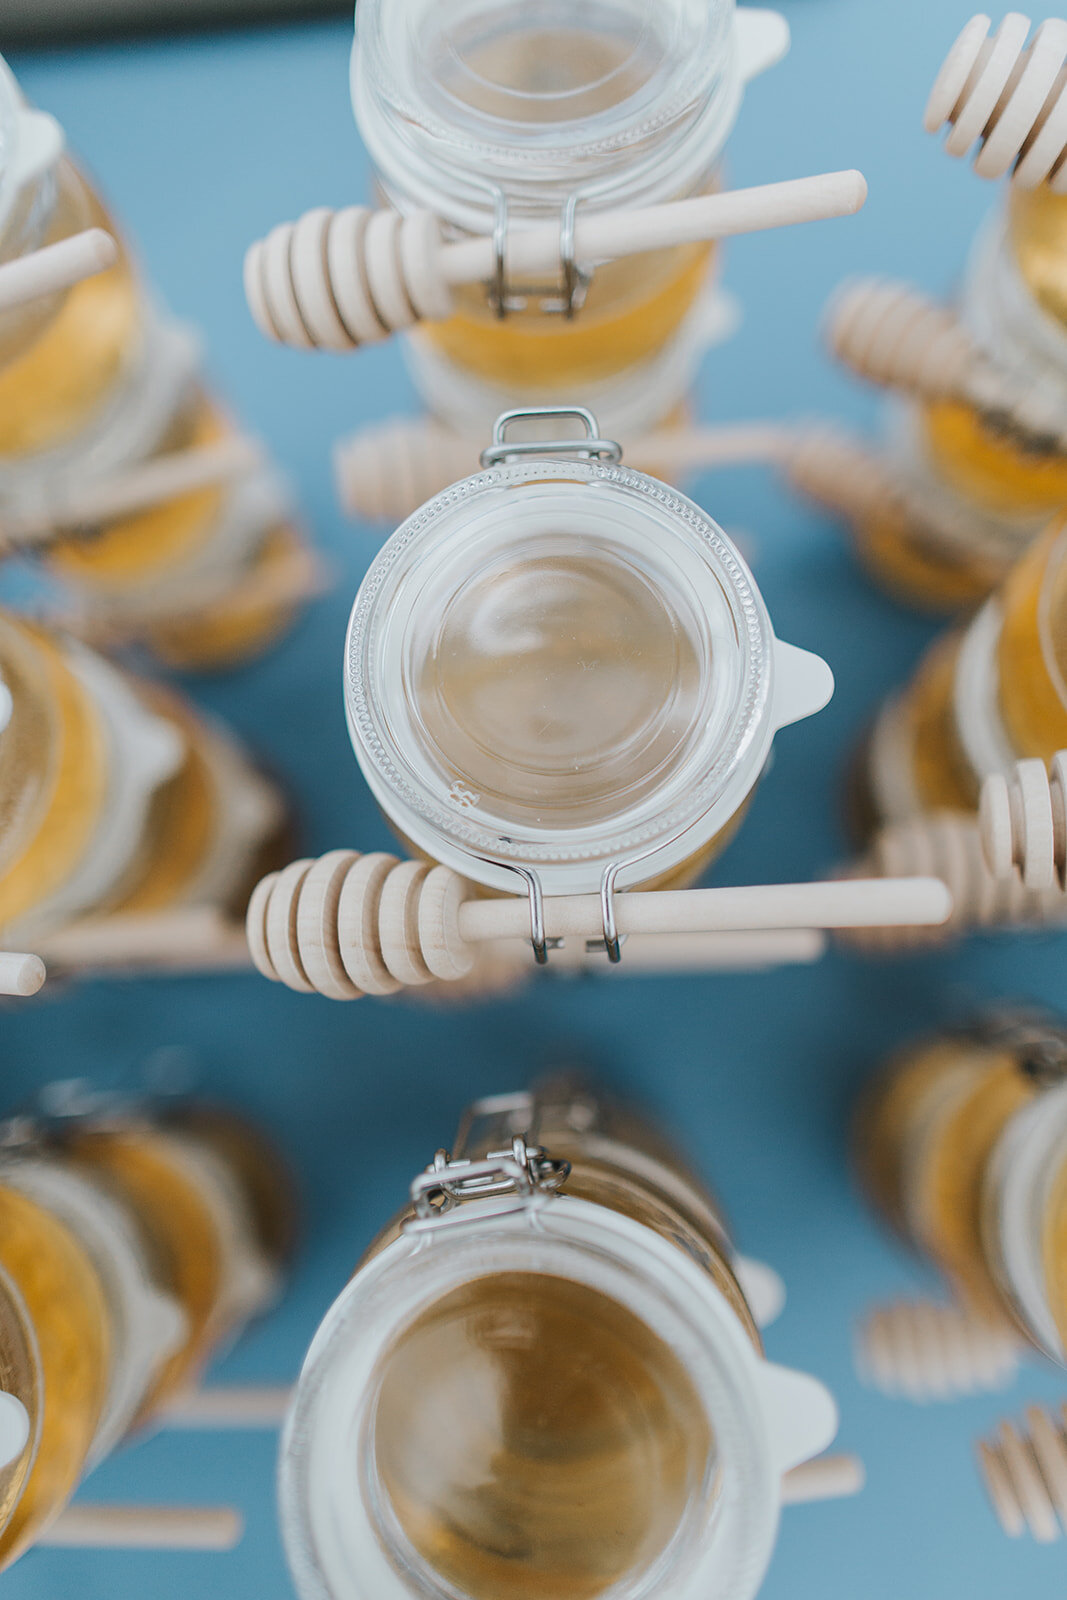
(560, 666)
(962, 1145)
(135, 1239)
(500, 116)
(984, 485)
(114, 794)
(545, 1377)
(981, 699)
(95, 380)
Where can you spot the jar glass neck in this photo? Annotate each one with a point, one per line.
(458, 103)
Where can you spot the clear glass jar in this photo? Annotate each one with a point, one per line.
(962, 1144)
(67, 1310)
(194, 1179)
(94, 380)
(507, 112)
(981, 699)
(114, 794)
(21, 1398)
(146, 1324)
(985, 492)
(560, 664)
(544, 1377)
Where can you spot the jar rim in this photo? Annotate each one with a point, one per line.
(559, 1236)
(701, 804)
(658, 143)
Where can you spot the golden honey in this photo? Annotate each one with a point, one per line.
(53, 778)
(942, 777)
(909, 566)
(58, 375)
(68, 1312)
(1037, 236)
(1032, 650)
(1054, 1250)
(254, 612)
(632, 309)
(143, 1169)
(924, 1139)
(151, 543)
(20, 1375)
(533, 1437)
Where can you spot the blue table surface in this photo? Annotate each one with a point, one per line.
(205, 143)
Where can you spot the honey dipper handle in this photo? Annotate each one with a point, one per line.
(56, 267)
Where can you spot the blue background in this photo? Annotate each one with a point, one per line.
(202, 145)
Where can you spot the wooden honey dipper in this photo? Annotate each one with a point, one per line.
(1024, 1469)
(349, 924)
(389, 469)
(1022, 818)
(335, 280)
(921, 1351)
(948, 845)
(1004, 99)
(56, 267)
(893, 335)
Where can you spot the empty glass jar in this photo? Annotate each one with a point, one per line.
(545, 1377)
(95, 380)
(560, 665)
(502, 115)
(962, 1145)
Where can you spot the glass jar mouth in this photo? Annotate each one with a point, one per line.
(449, 88)
(10, 99)
(331, 1524)
(637, 715)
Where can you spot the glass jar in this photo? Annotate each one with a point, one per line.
(94, 380)
(21, 1398)
(981, 699)
(66, 1307)
(193, 1179)
(559, 665)
(544, 1377)
(985, 491)
(506, 115)
(962, 1145)
(114, 794)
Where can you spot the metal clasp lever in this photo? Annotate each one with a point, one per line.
(513, 1176)
(591, 447)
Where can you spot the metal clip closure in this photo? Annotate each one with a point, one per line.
(591, 447)
(514, 1177)
(563, 299)
(1037, 1042)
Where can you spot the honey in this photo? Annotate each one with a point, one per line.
(533, 1437)
(20, 1376)
(54, 384)
(1032, 651)
(914, 570)
(942, 778)
(65, 1305)
(1037, 236)
(633, 308)
(53, 773)
(143, 1169)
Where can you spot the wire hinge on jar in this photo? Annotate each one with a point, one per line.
(512, 1177)
(563, 299)
(592, 447)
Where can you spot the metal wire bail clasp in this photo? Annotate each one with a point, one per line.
(592, 447)
(562, 299)
(512, 1177)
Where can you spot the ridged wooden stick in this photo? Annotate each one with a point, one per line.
(86, 1526)
(56, 267)
(336, 280)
